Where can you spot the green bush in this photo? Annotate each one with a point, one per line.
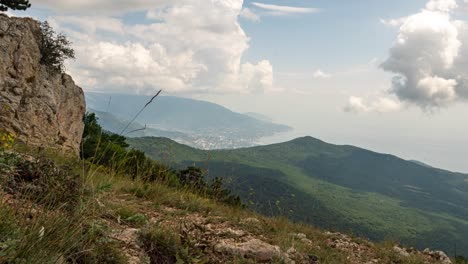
(111, 150)
(55, 49)
(193, 178)
(14, 4)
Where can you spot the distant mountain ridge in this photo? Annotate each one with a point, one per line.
(205, 125)
(338, 187)
(421, 163)
(116, 125)
(260, 117)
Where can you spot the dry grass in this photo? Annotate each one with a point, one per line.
(172, 223)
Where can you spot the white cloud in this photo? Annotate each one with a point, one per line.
(319, 74)
(439, 90)
(378, 105)
(430, 57)
(285, 10)
(91, 24)
(426, 57)
(248, 14)
(101, 6)
(132, 66)
(257, 77)
(441, 5)
(356, 105)
(193, 46)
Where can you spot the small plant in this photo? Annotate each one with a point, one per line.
(97, 247)
(7, 140)
(161, 245)
(55, 49)
(7, 160)
(130, 217)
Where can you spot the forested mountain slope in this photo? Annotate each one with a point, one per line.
(341, 187)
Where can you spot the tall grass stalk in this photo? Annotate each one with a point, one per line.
(141, 111)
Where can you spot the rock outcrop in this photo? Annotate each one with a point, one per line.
(255, 249)
(40, 107)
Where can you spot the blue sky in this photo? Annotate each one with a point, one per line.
(344, 33)
(324, 67)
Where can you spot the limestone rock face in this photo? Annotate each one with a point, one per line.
(40, 107)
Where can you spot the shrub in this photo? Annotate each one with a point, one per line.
(55, 49)
(162, 245)
(220, 193)
(100, 147)
(194, 179)
(111, 150)
(193, 176)
(44, 182)
(14, 4)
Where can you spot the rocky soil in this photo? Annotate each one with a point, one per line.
(222, 239)
(207, 233)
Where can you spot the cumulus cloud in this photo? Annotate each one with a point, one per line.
(379, 105)
(285, 10)
(429, 58)
(191, 46)
(441, 5)
(319, 74)
(91, 24)
(101, 6)
(257, 77)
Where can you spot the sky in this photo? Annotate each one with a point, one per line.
(390, 76)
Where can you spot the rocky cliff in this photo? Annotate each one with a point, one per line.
(41, 107)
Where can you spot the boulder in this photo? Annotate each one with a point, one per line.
(254, 249)
(439, 256)
(401, 251)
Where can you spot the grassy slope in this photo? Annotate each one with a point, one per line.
(340, 187)
(118, 216)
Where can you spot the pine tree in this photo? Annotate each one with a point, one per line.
(14, 4)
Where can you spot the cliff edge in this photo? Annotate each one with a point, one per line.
(39, 106)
